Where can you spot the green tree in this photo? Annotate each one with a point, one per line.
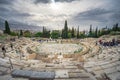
(65, 31)
(45, 33)
(7, 28)
(27, 33)
(99, 33)
(63, 34)
(69, 35)
(38, 34)
(21, 33)
(55, 34)
(90, 31)
(82, 34)
(115, 27)
(12, 33)
(78, 32)
(96, 32)
(73, 32)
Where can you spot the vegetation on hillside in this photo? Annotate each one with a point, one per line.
(65, 33)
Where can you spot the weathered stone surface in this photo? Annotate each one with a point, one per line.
(5, 77)
(42, 75)
(78, 75)
(33, 74)
(21, 73)
(61, 74)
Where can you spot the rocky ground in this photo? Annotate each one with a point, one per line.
(93, 62)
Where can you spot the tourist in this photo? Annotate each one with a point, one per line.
(11, 45)
(113, 41)
(18, 51)
(96, 43)
(4, 51)
(100, 42)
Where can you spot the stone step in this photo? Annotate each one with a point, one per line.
(18, 79)
(5, 77)
(78, 75)
(61, 74)
(32, 75)
(74, 79)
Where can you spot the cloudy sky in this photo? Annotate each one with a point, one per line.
(53, 13)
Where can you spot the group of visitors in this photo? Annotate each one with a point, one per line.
(113, 42)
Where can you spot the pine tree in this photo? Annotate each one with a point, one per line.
(7, 29)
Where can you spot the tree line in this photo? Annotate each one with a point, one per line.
(65, 33)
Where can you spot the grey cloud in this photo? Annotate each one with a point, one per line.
(7, 12)
(2, 9)
(97, 14)
(115, 17)
(41, 1)
(116, 9)
(108, 14)
(116, 2)
(48, 1)
(99, 17)
(2, 2)
(12, 13)
(66, 0)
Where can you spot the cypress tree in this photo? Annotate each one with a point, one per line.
(99, 33)
(7, 29)
(43, 32)
(21, 33)
(65, 31)
(90, 31)
(73, 32)
(62, 35)
(78, 32)
(96, 32)
(115, 27)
